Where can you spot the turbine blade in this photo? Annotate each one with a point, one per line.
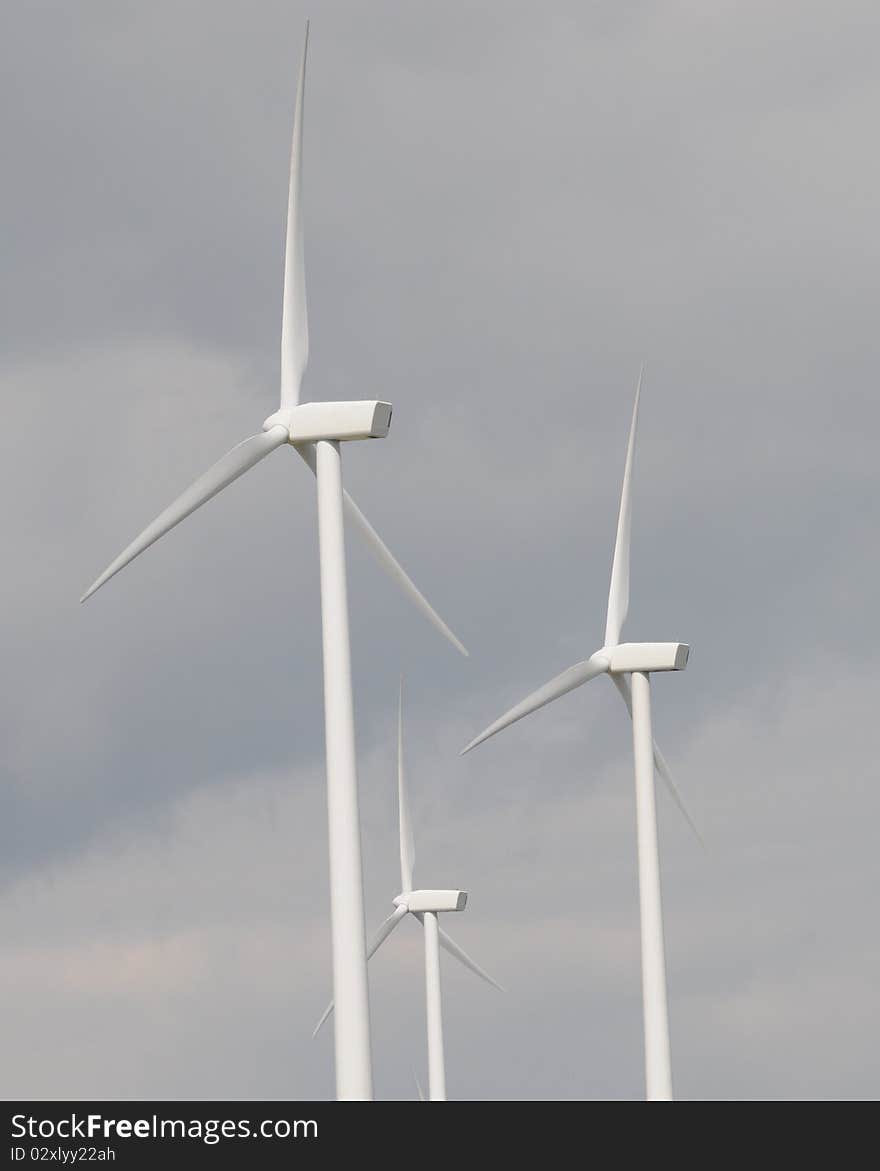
(385, 557)
(622, 683)
(407, 842)
(324, 1015)
(567, 681)
(232, 465)
(462, 956)
(294, 315)
(618, 593)
(378, 939)
(421, 1092)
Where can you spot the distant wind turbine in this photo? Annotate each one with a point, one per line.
(425, 905)
(629, 666)
(316, 431)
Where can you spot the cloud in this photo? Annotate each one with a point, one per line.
(200, 934)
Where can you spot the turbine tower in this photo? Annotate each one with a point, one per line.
(425, 905)
(316, 431)
(630, 666)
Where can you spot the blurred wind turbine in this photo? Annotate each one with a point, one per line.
(425, 905)
(629, 666)
(316, 430)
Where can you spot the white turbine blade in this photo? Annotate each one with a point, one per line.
(622, 683)
(567, 681)
(618, 594)
(378, 939)
(294, 316)
(232, 465)
(462, 956)
(421, 1092)
(407, 842)
(326, 1013)
(396, 571)
(663, 770)
(385, 557)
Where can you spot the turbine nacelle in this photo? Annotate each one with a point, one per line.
(645, 656)
(419, 901)
(340, 421)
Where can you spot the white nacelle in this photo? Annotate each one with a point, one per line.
(309, 422)
(432, 900)
(648, 656)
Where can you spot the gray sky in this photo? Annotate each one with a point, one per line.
(507, 208)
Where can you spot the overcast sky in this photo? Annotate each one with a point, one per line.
(508, 207)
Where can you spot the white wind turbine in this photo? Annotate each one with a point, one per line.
(629, 665)
(316, 431)
(425, 905)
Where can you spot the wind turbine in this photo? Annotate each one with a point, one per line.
(425, 905)
(629, 666)
(317, 430)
